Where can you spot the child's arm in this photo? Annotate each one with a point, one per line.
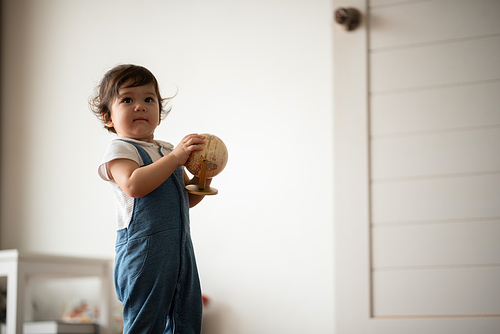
(195, 199)
(138, 182)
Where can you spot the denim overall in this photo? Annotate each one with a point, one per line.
(156, 277)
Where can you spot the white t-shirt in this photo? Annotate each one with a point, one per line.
(119, 149)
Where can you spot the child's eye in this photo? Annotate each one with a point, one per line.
(127, 100)
(149, 99)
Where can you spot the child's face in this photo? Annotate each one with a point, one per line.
(135, 113)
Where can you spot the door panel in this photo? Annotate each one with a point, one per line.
(435, 325)
(451, 243)
(431, 21)
(419, 111)
(441, 198)
(436, 291)
(434, 65)
(435, 154)
(417, 248)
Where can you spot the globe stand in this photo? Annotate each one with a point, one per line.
(201, 188)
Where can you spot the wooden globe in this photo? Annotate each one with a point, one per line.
(207, 163)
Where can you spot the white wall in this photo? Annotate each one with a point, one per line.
(255, 73)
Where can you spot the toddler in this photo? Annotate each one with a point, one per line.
(155, 272)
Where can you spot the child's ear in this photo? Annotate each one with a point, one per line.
(106, 118)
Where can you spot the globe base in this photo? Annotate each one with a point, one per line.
(195, 189)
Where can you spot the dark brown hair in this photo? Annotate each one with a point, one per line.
(116, 78)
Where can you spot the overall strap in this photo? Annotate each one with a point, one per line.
(146, 159)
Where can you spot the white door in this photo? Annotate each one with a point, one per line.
(417, 167)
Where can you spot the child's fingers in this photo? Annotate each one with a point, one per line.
(193, 140)
(198, 139)
(195, 147)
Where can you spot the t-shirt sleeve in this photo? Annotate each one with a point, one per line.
(117, 149)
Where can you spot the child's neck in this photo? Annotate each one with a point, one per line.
(146, 140)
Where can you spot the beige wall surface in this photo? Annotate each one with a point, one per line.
(255, 73)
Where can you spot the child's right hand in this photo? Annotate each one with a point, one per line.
(188, 144)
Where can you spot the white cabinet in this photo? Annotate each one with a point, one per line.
(21, 268)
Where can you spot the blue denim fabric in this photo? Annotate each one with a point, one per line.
(156, 277)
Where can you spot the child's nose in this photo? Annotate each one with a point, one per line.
(139, 107)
